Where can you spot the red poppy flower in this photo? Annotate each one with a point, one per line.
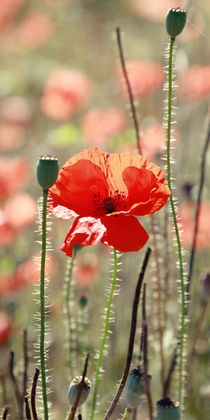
(34, 30)
(5, 327)
(8, 10)
(65, 92)
(145, 77)
(13, 175)
(195, 82)
(106, 190)
(187, 214)
(99, 124)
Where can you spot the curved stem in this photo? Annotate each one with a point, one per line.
(179, 248)
(42, 304)
(103, 342)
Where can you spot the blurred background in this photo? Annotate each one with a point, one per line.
(62, 90)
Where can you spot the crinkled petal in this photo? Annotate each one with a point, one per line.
(147, 190)
(84, 231)
(124, 233)
(63, 213)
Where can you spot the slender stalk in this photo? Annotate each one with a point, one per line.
(145, 358)
(5, 413)
(103, 342)
(179, 248)
(33, 395)
(42, 304)
(126, 414)
(131, 337)
(68, 310)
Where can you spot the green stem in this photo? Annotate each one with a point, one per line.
(126, 414)
(42, 303)
(103, 342)
(68, 310)
(179, 248)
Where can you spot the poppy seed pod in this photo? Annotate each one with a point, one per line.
(175, 21)
(134, 388)
(47, 171)
(74, 388)
(167, 410)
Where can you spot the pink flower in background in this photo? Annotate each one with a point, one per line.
(65, 92)
(187, 216)
(86, 270)
(99, 124)
(154, 10)
(11, 137)
(27, 272)
(14, 173)
(16, 110)
(18, 213)
(34, 30)
(8, 10)
(5, 327)
(195, 82)
(145, 77)
(153, 140)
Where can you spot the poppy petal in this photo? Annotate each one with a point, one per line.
(84, 231)
(77, 185)
(124, 233)
(147, 190)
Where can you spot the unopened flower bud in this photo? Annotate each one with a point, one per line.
(175, 21)
(83, 301)
(47, 171)
(74, 388)
(134, 388)
(167, 410)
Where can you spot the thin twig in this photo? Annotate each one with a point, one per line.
(28, 411)
(132, 335)
(81, 386)
(133, 110)
(197, 212)
(5, 413)
(18, 395)
(25, 355)
(170, 371)
(145, 364)
(33, 395)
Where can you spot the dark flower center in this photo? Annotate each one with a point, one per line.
(109, 205)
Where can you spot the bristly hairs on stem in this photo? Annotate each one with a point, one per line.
(170, 89)
(105, 334)
(69, 301)
(131, 337)
(152, 217)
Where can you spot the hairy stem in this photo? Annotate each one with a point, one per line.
(179, 248)
(103, 342)
(68, 310)
(42, 304)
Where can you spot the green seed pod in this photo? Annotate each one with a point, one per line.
(167, 410)
(175, 21)
(47, 171)
(74, 388)
(134, 388)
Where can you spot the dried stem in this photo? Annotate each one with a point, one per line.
(18, 395)
(145, 359)
(81, 386)
(198, 204)
(28, 411)
(5, 413)
(133, 111)
(132, 335)
(170, 371)
(33, 395)
(25, 355)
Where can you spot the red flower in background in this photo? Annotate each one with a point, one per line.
(187, 215)
(34, 30)
(105, 191)
(5, 327)
(13, 175)
(8, 10)
(144, 77)
(195, 82)
(65, 92)
(99, 124)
